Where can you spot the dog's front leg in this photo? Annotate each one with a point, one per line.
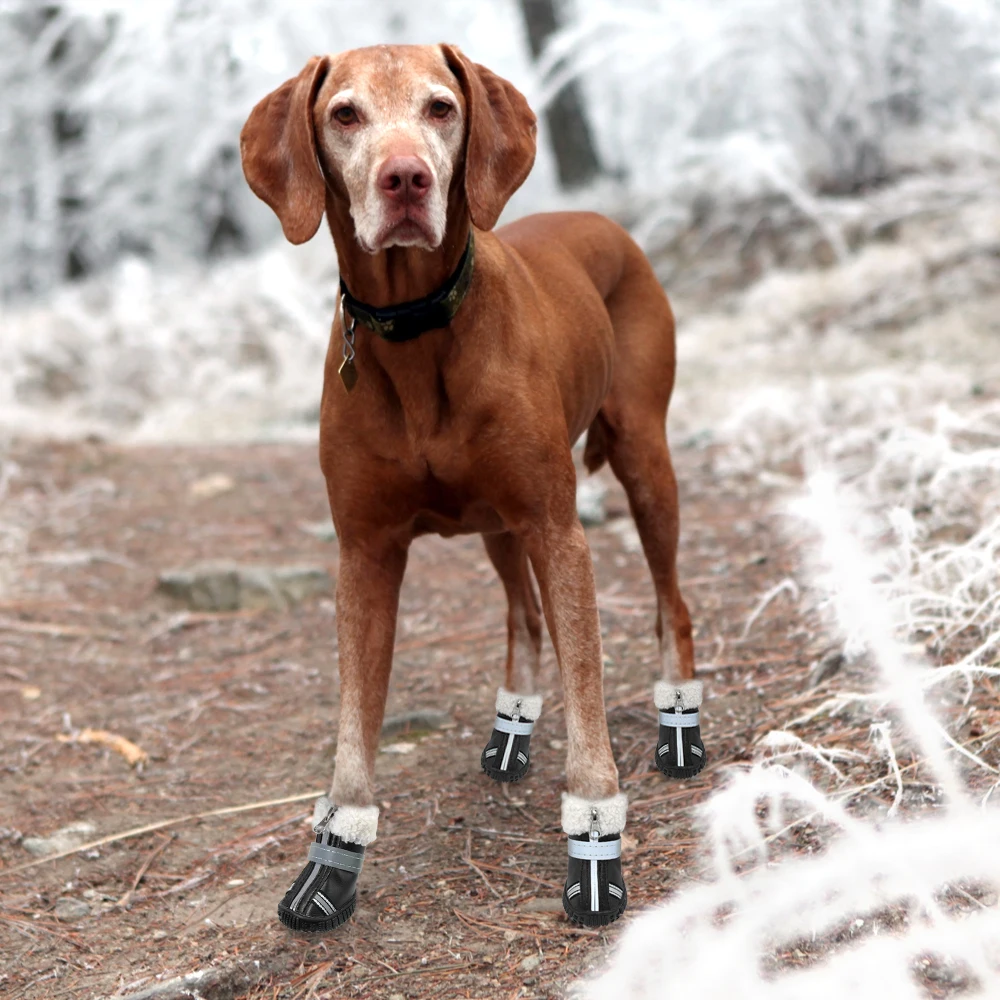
(325, 893)
(593, 811)
(367, 602)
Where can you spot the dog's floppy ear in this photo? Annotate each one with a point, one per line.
(499, 137)
(278, 148)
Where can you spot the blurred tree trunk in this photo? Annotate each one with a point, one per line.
(48, 49)
(905, 58)
(572, 142)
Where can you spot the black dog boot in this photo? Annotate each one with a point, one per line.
(679, 750)
(595, 889)
(325, 893)
(506, 757)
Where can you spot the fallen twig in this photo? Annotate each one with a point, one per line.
(423, 971)
(143, 868)
(517, 873)
(479, 872)
(138, 831)
(467, 858)
(788, 584)
(223, 982)
(565, 927)
(188, 619)
(240, 651)
(34, 926)
(54, 629)
(476, 922)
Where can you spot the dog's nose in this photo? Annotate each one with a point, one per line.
(404, 179)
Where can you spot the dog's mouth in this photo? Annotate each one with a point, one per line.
(406, 226)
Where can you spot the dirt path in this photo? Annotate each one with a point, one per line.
(459, 896)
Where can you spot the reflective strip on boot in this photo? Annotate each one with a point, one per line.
(306, 886)
(336, 857)
(679, 721)
(513, 727)
(519, 728)
(593, 851)
(324, 904)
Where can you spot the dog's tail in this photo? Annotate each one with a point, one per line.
(595, 449)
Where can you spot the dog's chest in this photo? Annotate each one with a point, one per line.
(434, 443)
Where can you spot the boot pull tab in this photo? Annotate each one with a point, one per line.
(321, 826)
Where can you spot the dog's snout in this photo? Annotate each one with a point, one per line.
(404, 179)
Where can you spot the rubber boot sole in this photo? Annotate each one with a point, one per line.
(305, 925)
(680, 772)
(587, 918)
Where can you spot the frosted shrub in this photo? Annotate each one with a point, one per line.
(232, 352)
(718, 103)
(869, 908)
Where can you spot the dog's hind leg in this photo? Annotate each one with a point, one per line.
(642, 463)
(507, 753)
(633, 435)
(325, 893)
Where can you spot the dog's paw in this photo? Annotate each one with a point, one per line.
(595, 893)
(507, 755)
(326, 892)
(680, 752)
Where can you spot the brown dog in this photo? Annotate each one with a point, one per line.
(469, 363)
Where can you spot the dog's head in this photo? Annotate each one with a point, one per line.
(394, 130)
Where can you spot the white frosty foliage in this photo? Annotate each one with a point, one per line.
(749, 917)
(231, 352)
(709, 103)
(713, 939)
(883, 369)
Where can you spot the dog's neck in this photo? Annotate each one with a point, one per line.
(397, 274)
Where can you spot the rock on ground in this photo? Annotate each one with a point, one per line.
(69, 909)
(228, 586)
(64, 839)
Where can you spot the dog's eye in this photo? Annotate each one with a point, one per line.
(439, 109)
(346, 115)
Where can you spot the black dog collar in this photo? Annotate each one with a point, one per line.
(408, 320)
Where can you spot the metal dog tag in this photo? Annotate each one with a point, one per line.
(348, 373)
(347, 370)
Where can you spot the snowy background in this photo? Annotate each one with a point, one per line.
(815, 180)
(146, 294)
